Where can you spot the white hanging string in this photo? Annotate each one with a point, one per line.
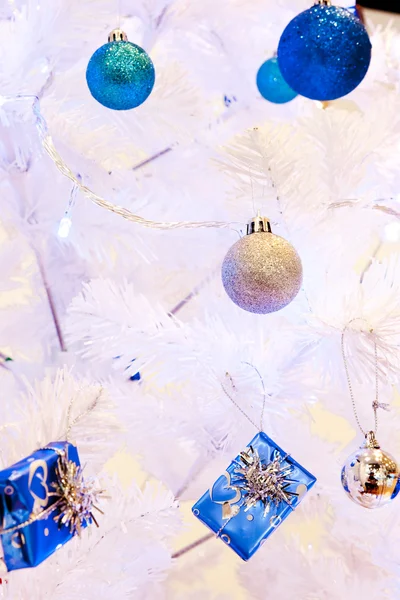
(125, 213)
(119, 13)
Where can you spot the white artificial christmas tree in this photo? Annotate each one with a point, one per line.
(114, 226)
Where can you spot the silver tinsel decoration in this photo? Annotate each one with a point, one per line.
(77, 496)
(263, 482)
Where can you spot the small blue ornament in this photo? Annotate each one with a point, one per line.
(324, 52)
(120, 75)
(354, 11)
(135, 376)
(228, 100)
(271, 84)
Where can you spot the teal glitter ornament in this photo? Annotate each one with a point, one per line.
(120, 75)
(324, 52)
(272, 85)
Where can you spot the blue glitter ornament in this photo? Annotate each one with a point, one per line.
(324, 52)
(120, 75)
(271, 84)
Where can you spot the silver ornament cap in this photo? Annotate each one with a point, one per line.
(262, 272)
(370, 476)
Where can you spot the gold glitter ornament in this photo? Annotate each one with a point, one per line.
(262, 272)
(370, 476)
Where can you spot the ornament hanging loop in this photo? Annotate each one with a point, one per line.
(376, 404)
(238, 406)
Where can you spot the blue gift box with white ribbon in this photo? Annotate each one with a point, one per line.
(31, 529)
(261, 487)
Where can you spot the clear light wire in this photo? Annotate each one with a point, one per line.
(125, 213)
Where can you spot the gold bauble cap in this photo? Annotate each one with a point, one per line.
(259, 225)
(117, 35)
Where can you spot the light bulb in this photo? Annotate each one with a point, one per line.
(392, 231)
(64, 227)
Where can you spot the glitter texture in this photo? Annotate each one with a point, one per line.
(271, 84)
(262, 273)
(120, 75)
(324, 52)
(263, 482)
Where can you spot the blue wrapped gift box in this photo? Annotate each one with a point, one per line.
(259, 489)
(25, 494)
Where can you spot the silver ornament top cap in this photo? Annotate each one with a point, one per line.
(259, 225)
(117, 35)
(323, 2)
(371, 441)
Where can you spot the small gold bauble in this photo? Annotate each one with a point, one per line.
(262, 272)
(370, 476)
